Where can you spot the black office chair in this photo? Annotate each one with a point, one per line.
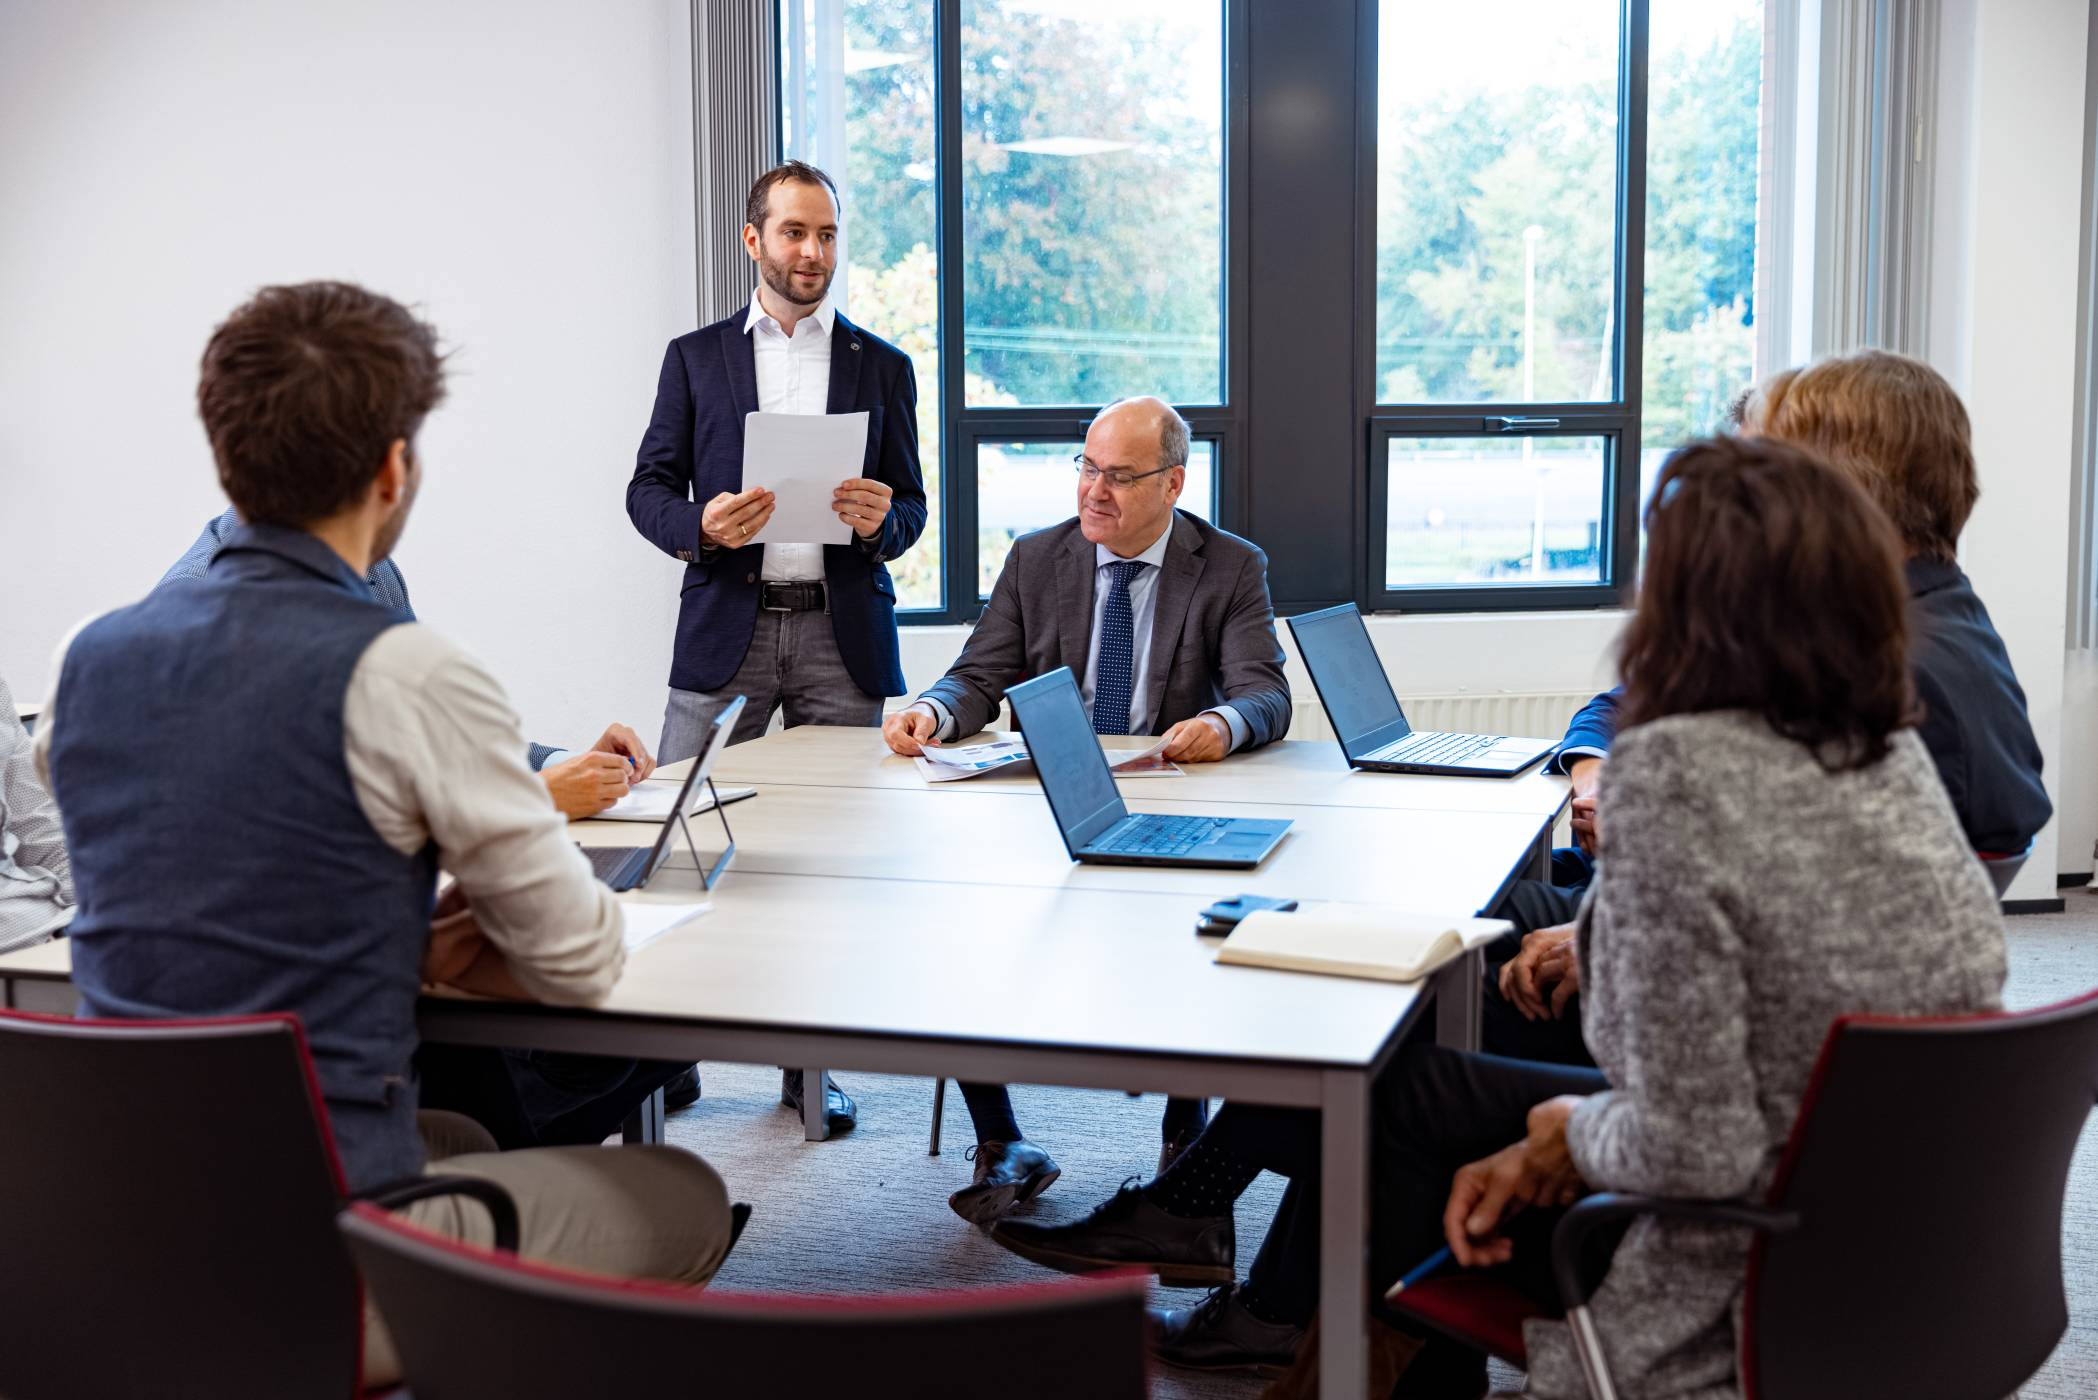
(475, 1324)
(168, 1193)
(1912, 1241)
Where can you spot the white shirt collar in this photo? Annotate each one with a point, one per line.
(823, 315)
(1155, 556)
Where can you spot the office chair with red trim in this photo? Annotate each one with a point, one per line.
(168, 1193)
(1911, 1241)
(477, 1324)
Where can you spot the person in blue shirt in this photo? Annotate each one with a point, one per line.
(1896, 427)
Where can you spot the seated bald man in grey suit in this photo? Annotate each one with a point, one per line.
(1166, 620)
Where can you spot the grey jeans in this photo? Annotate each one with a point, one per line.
(793, 663)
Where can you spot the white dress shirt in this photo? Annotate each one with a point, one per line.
(1143, 609)
(435, 753)
(793, 377)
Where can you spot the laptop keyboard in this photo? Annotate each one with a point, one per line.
(617, 866)
(1160, 836)
(1434, 748)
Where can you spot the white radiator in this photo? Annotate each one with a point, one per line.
(1541, 715)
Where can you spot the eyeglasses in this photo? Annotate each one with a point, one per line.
(1121, 481)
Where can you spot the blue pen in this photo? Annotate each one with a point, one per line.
(1433, 1264)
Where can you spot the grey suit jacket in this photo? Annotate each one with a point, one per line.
(1212, 630)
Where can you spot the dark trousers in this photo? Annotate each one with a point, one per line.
(991, 1114)
(1432, 1111)
(1532, 905)
(539, 1098)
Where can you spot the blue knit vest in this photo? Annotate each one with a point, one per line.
(222, 861)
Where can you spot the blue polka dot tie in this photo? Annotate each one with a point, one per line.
(1116, 675)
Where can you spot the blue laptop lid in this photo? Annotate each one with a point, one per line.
(1066, 753)
(1349, 678)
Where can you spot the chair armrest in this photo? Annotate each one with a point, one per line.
(502, 1211)
(1608, 1208)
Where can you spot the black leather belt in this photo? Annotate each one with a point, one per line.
(800, 595)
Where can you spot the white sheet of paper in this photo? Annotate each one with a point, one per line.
(941, 764)
(801, 458)
(650, 802)
(645, 923)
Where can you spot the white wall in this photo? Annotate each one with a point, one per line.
(521, 170)
(2003, 329)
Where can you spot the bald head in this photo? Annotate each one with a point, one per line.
(1144, 441)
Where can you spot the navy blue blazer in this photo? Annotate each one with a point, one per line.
(1974, 718)
(693, 451)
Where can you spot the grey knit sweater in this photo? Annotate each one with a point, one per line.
(1745, 899)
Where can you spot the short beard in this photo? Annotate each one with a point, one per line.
(780, 278)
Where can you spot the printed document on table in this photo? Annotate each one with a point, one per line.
(650, 802)
(950, 765)
(801, 458)
(645, 923)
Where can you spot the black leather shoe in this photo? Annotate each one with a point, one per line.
(840, 1113)
(1007, 1174)
(682, 1091)
(1218, 1334)
(1129, 1232)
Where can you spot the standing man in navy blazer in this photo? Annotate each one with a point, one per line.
(805, 627)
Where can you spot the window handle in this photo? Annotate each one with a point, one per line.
(1519, 425)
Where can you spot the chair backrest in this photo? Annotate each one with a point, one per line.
(167, 1204)
(1928, 1166)
(473, 1324)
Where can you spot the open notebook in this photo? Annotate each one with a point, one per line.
(1355, 940)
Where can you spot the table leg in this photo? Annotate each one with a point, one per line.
(645, 1123)
(1344, 1236)
(1541, 857)
(1457, 1001)
(815, 1127)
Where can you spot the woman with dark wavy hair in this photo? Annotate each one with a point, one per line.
(1776, 827)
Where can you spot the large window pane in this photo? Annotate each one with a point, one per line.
(1092, 200)
(857, 101)
(1491, 511)
(1496, 200)
(1705, 118)
(1024, 486)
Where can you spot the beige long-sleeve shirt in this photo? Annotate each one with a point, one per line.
(436, 754)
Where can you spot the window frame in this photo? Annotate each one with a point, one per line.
(1616, 420)
(1322, 436)
(962, 428)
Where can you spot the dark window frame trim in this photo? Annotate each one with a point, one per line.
(962, 428)
(1617, 420)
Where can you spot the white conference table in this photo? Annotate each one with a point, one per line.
(865, 918)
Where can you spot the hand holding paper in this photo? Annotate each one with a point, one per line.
(802, 459)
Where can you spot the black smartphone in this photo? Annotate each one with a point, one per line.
(1223, 916)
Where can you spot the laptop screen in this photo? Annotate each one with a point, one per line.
(717, 739)
(1067, 755)
(1350, 679)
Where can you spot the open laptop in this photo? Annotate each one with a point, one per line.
(1097, 828)
(632, 867)
(1366, 716)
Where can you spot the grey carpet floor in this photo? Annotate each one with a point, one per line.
(867, 1212)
